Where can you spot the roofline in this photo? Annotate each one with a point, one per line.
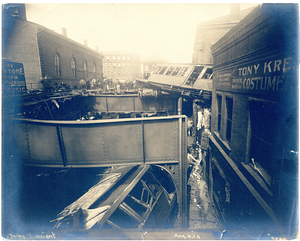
(215, 20)
(120, 53)
(184, 64)
(66, 38)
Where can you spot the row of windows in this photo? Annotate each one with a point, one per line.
(114, 73)
(120, 70)
(57, 63)
(129, 72)
(108, 58)
(172, 71)
(263, 141)
(120, 65)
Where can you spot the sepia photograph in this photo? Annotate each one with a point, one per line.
(150, 121)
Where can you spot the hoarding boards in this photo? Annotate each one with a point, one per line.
(266, 77)
(13, 79)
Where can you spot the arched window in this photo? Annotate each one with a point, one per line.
(95, 68)
(85, 69)
(73, 67)
(57, 64)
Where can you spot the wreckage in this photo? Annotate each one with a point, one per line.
(182, 79)
(133, 134)
(129, 197)
(139, 137)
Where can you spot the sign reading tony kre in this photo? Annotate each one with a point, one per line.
(13, 79)
(264, 77)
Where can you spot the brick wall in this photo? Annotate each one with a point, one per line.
(51, 43)
(20, 45)
(118, 65)
(237, 146)
(206, 36)
(239, 127)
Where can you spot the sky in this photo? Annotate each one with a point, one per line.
(144, 28)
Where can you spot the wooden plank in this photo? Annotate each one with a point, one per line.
(117, 197)
(249, 186)
(257, 178)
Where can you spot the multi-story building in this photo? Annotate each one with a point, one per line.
(253, 164)
(46, 54)
(211, 31)
(121, 66)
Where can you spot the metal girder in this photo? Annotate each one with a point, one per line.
(135, 141)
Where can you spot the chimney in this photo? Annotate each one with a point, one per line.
(22, 11)
(235, 11)
(15, 10)
(85, 42)
(64, 32)
(97, 48)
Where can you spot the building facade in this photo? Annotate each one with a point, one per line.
(211, 31)
(121, 66)
(64, 60)
(47, 56)
(253, 164)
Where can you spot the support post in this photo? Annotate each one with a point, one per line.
(179, 106)
(183, 174)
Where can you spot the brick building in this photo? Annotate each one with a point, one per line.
(253, 164)
(122, 66)
(211, 31)
(45, 53)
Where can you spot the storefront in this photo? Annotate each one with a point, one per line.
(254, 141)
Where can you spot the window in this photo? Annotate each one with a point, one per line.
(229, 105)
(157, 70)
(170, 70)
(266, 138)
(107, 58)
(194, 76)
(73, 67)
(207, 74)
(85, 69)
(95, 70)
(176, 70)
(219, 106)
(119, 58)
(57, 64)
(163, 69)
(183, 71)
(114, 58)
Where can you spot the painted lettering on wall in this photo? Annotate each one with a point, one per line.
(266, 76)
(13, 79)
